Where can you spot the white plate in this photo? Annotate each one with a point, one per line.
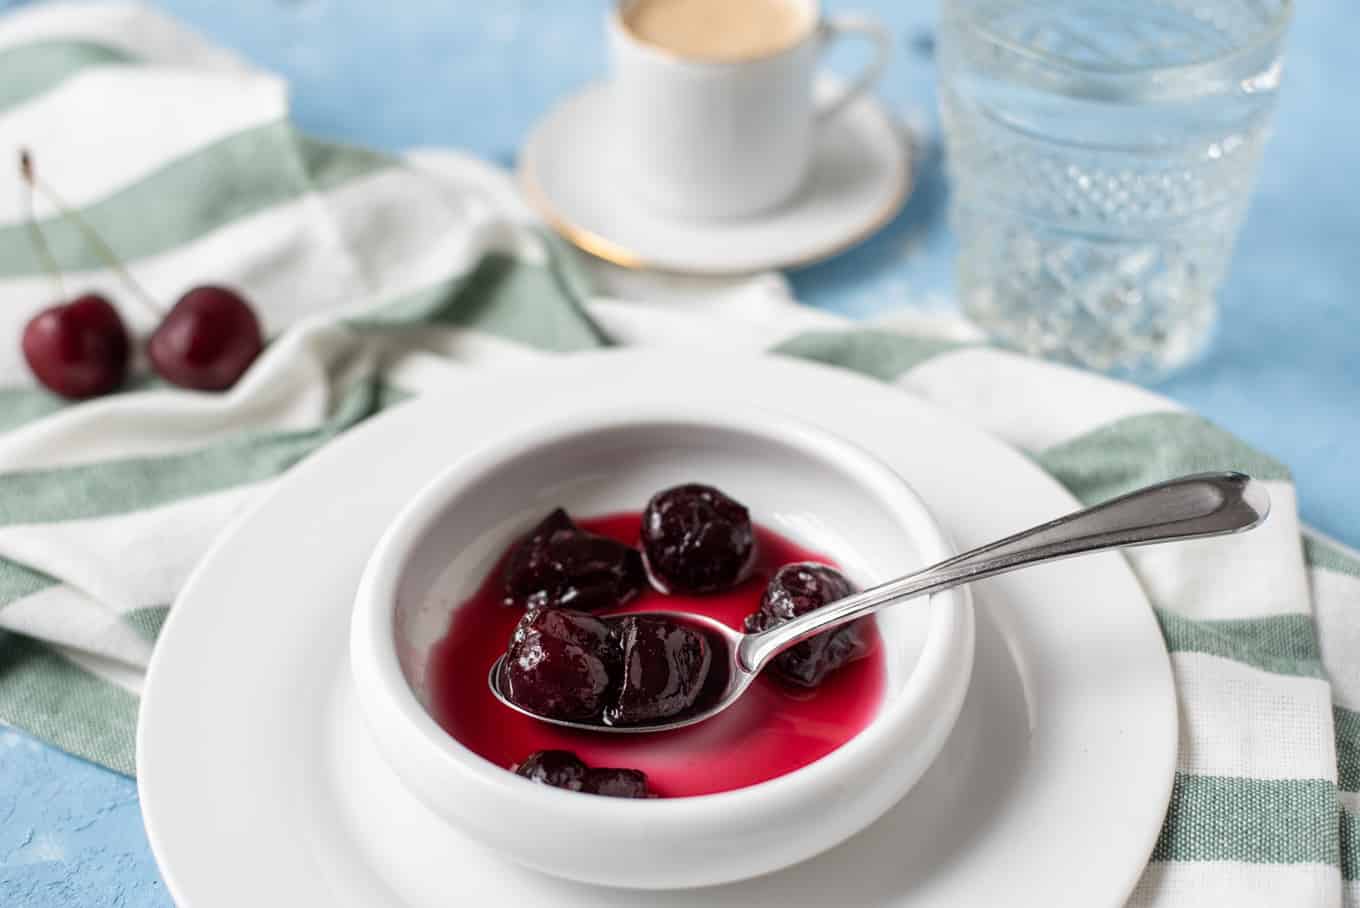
(260, 786)
(858, 180)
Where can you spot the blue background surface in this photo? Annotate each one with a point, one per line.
(1283, 371)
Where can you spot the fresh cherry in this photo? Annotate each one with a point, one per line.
(561, 664)
(795, 590)
(697, 540)
(78, 349)
(560, 565)
(665, 665)
(207, 340)
(563, 769)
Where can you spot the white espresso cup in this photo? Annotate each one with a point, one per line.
(701, 136)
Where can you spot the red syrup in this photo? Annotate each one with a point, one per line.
(772, 730)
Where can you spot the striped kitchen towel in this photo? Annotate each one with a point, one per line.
(374, 273)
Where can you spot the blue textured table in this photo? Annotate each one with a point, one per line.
(1283, 371)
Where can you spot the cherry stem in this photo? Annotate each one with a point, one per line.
(35, 234)
(101, 248)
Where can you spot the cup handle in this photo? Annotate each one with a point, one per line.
(837, 27)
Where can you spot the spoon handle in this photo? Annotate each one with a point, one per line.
(1205, 504)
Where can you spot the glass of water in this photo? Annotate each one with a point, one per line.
(1102, 153)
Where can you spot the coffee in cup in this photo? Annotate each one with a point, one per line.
(719, 30)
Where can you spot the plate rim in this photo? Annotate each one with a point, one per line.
(316, 463)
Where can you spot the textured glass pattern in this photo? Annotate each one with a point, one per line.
(1102, 157)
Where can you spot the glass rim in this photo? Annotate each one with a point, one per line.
(1272, 31)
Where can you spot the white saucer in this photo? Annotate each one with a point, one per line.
(859, 179)
(251, 753)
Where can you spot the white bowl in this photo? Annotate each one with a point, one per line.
(798, 480)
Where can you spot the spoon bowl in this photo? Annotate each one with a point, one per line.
(1192, 507)
(724, 685)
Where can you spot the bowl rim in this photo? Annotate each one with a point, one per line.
(373, 650)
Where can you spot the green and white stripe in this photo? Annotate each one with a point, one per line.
(1254, 814)
(1334, 577)
(380, 278)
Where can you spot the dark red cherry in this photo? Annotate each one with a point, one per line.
(665, 665)
(558, 768)
(617, 783)
(561, 664)
(696, 539)
(78, 349)
(562, 566)
(530, 569)
(207, 340)
(797, 589)
(563, 769)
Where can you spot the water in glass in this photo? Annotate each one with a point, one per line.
(1102, 155)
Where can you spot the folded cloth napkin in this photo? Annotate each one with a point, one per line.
(379, 278)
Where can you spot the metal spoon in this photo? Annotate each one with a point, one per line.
(1192, 507)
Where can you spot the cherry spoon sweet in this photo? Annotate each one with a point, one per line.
(1192, 507)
